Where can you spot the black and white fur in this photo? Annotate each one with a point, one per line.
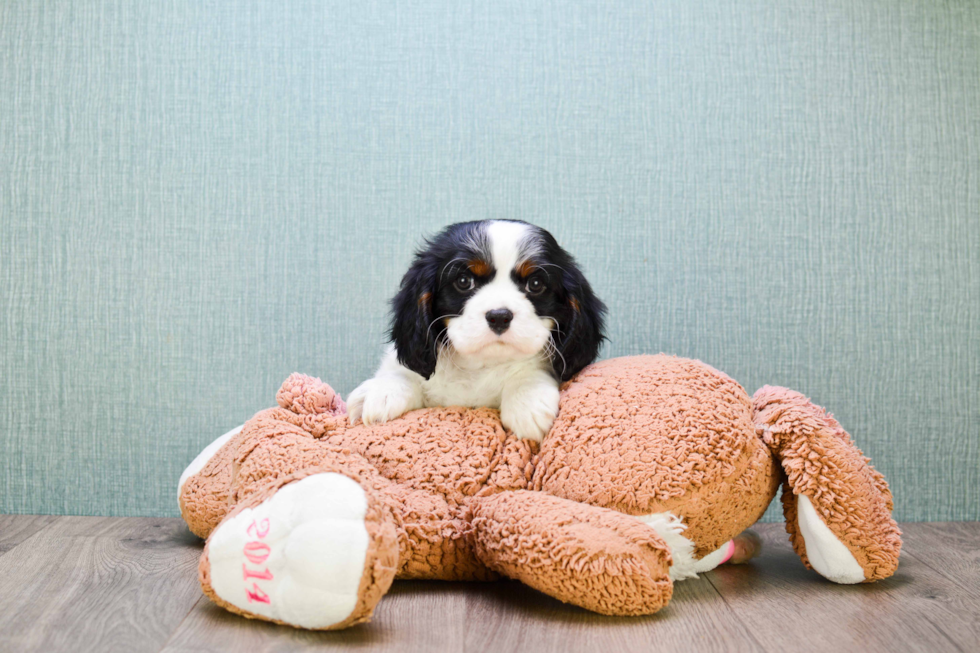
(492, 313)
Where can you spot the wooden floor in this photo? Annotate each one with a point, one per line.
(130, 584)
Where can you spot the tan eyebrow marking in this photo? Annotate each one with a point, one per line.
(425, 299)
(526, 268)
(478, 267)
(575, 305)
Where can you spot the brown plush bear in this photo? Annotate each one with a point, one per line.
(654, 464)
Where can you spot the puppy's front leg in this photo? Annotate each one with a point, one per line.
(391, 393)
(529, 405)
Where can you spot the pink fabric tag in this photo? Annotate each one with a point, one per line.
(730, 553)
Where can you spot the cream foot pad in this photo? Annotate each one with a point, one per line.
(298, 557)
(828, 556)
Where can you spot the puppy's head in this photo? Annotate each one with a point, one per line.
(494, 291)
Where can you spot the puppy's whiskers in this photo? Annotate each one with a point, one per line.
(449, 266)
(550, 265)
(450, 352)
(441, 317)
(555, 326)
(550, 345)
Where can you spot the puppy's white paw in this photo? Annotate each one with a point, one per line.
(530, 412)
(380, 399)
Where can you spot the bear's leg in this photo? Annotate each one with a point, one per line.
(434, 535)
(596, 558)
(685, 565)
(316, 549)
(202, 492)
(205, 456)
(837, 507)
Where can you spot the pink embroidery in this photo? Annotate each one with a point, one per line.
(257, 552)
(729, 553)
(258, 595)
(262, 528)
(261, 575)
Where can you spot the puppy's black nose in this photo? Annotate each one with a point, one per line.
(499, 320)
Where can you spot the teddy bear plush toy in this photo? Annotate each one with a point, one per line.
(654, 464)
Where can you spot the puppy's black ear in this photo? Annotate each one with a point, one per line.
(582, 334)
(415, 342)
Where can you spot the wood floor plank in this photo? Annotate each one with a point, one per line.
(949, 548)
(415, 616)
(502, 616)
(788, 607)
(98, 584)
(14, 529)
(102, 584)
(508, 616)
(773, 604)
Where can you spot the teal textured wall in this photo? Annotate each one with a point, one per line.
(198, 198)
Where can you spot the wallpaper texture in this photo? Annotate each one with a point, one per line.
(198, 198)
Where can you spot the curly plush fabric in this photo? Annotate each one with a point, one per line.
(204, 499)
(650, 434)
(425, 473)
(702, 420)
(600, 559)
(822, 462)
(308, 396)
(381, 558)
(639, 442)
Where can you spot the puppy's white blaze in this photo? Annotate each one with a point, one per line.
(510, 244)
(507, 239)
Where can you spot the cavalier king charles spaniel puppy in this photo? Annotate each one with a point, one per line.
(491, 313)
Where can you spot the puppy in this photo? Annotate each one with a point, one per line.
(491, 313)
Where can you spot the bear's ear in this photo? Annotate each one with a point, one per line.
(580, 338)
(415, 342)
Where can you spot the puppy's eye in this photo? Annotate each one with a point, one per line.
(464, 283)
(535, 286)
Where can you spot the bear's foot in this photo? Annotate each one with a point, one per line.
(314, 550)
(837, 506)
(596, 558)
(828, 556)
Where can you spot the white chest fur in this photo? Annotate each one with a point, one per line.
(456, 383)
